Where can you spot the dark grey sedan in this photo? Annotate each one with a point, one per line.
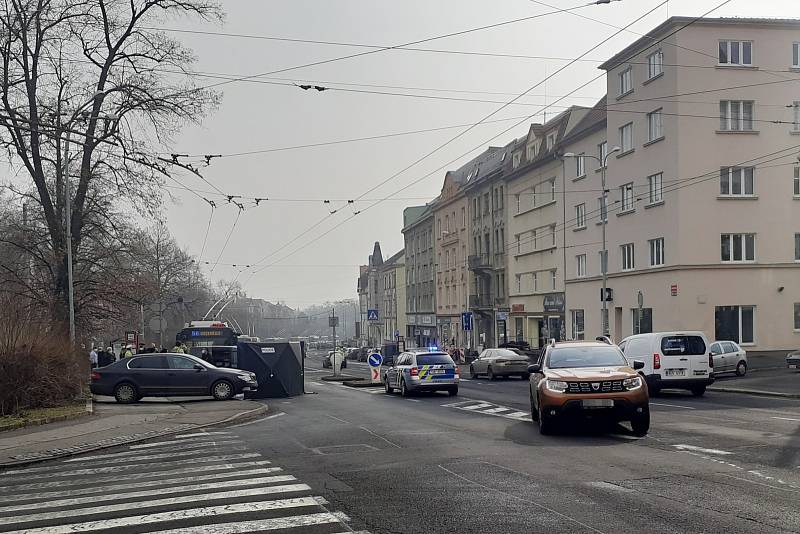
(167, 375)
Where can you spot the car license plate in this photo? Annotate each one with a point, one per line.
(438, 371)
(597, 403)
(676, 372)
(792, 366)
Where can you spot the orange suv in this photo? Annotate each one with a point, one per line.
(588, 379)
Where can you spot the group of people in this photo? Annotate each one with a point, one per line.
(99, 357)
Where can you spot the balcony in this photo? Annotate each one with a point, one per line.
(480, 302)
(480, 263)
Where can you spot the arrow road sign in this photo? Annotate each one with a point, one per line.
(375, 360)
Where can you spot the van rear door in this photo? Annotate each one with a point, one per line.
(684, 356)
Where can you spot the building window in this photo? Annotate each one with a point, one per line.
(551, 140)
(796, 247)
(519, 283)
(535, 281)
(655, 64)
(642, 320)
(738, 247)
(796, 116)
(553, 279)
(463, 217)
(530, 152)
(626, 251)
(577, 324)
(626, 195)
(626, 137)
(736, 115)
(580, 165)
(735, 52)
(486, 203)
(535, 239)
(500, 199)
(552, 235)
(580, 216)
(553, 190)
(625, 82)
(735, 323)
(601, 207)
(502, 244)
(655, 125)
(518, 244)
(796, 55)
(736, 181)
(515, 159)
(655, 188)
(797, 181)
(603, 261)
(656, 252)
(797, 315)
(580, 264)
(602, 151)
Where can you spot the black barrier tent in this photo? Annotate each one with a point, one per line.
(278, 368)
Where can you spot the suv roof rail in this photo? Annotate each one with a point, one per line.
(604, 339)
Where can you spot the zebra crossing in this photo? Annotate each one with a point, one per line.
(488, 408)
(204, 482)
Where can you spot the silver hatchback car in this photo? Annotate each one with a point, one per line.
(422, 370)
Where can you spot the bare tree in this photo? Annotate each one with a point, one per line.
(92, 77)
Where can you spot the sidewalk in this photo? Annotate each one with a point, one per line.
(780, 382)
(114, 424)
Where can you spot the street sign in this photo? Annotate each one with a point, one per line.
(609, 294)
(375, 374)
(333, 322)
(466, 321)
(397, 334)
(375, 360)
(501, 316)
(640, 300)
(673, 289)
(372, 315)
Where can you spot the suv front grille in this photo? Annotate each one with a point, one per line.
(607, 386)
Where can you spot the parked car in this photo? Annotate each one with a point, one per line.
(729, 357)
(793, 360)
(499, 362)
(588, 379)
(672, 360)
(327, 364)
(161, 375)
(421, 370)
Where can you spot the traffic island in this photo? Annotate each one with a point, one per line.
(44, 416)
(363, 383)
(339, 378)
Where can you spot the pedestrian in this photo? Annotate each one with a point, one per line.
(177, 349)
(93, 358)
(127, 352)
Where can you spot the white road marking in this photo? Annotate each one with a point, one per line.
(172, 448)
(393, 444)
(672, 405)
(454, 404)
(115, 468)
(515, 415)
(338, 419)
(248, 423)
(119, 507)
(138, 476)
(413, 400)
(626, 436)
(239, 473)
(176, 515)
(148, 492)
(786, 418)
(200, 434)
(183, 443)
(497, 410)
(138, 457)
(475, 406)
(610, 486)
(258, 525)
(701, 449)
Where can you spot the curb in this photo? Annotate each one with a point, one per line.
(134, 438)
(756, 392)
(47, 420)
(362, 384)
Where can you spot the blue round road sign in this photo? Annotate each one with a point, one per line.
(375, 360)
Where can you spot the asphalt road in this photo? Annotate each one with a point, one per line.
(359, 460)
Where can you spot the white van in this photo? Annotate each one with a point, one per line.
(680, 360)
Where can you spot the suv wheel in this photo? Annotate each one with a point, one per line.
(472, 374)
(403, 389)
(640, 423)
(222, 390)
(490, 374)
(534, 411)
(698, 391)
(389, 389)
(546, 424)
(741, 369)
(453, 391)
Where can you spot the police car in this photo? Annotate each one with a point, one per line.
(422, 370)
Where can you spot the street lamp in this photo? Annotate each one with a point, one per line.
(604, 220)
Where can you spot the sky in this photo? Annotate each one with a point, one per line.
(304, 253)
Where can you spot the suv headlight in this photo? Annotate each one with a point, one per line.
(632, 383)
(246, 378)
(559, 386)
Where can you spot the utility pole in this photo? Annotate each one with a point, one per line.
(68, 210)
